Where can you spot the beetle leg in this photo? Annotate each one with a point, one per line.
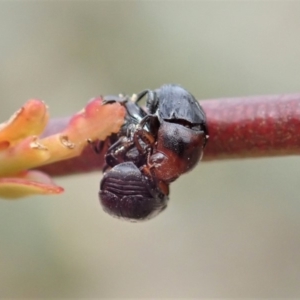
(141, 95)
(150, 164)
(113, 99)
(96, 146)
(116, 152)
(205, 130)
(151, 102)
(149, 171)
(115, 145)
(149, 168)
(138, 133)
(144, 135)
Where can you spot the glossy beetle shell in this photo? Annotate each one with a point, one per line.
(175, 103)
(178, 151)
(126, 193)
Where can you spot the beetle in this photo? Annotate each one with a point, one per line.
(121, 145)
(126, 193)
(178, 144)
(157, 145)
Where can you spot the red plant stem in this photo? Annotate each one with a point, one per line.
(253, 127)
(261, 126)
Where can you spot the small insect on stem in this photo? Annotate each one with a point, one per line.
(153, 148)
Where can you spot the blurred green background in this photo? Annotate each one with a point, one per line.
(232, 228)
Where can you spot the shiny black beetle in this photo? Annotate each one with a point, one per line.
(153, 148)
